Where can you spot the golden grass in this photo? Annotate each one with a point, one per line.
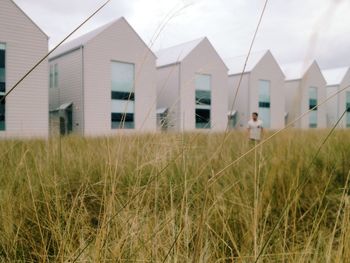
(147, 199)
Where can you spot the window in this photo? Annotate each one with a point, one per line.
(232, 119)
(264, 102)
(2, 85)
(348, 109)
(312, 105)
(123, 96)
(203, 101)
(54, 76)
(51, 76)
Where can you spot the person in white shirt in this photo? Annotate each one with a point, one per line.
(255, 128)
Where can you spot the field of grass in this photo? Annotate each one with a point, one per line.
(176, 198)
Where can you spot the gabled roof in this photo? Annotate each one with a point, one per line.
(236, 64)
(31, 20)
(335, 76)
(80, 41)
(176, 54)
(84, 39)
(297, 70)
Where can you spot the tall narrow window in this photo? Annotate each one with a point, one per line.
(123, 96)
(264, 103)
(51, 77)
(312, 105)
(348, 109)
(203, 101)
(2, 85)
(55, 74)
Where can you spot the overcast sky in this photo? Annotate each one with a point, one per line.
(292, 29)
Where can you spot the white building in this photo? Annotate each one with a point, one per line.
(304, 88)
(338, 79)
(24, 113)
(104, 82)
(192, 87)
(260, 90)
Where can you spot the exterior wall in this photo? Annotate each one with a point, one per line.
(242, 100)
(27, 106)
(332, 105)
(292, 94)
(70, 87)
(313, 78)
(204, 60)
(297, 98)
(118, 43)
(168, 94)
(342, 98)
(268, 69)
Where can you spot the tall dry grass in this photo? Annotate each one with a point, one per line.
(147, 199)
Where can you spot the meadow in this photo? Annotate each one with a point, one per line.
(176, 198)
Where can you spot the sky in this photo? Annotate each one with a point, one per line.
(294, 30)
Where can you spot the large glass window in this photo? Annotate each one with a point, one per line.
(54, 76)
(348, 109)
(2, 85)
(123, 96)
(203, 101)
(264, 103)
(312, 105)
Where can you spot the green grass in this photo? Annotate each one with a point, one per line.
(149, 198)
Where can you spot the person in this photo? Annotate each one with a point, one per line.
(255, 128)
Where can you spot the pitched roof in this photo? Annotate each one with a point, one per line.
(236, 64)
(176, 54)
(334, 76)
(31, 20)
(297, 70)
(80, 41)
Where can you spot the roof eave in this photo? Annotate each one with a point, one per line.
(65, 53)
(169, 65)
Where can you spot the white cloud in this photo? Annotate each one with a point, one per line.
(292, 29)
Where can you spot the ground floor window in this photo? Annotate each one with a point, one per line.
(312, 106)
(122, 120)
(202, 118)
(265, 102)
(232, 119)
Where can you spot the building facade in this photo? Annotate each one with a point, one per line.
(191, 88)
(338, 87)
(103, 83)
(24, 112)
(305, 87)
(259, 88)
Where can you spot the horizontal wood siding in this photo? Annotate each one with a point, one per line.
(26, 44)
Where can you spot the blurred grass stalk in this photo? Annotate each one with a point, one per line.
(52, 204)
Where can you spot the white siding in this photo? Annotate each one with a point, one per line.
(297, 97)
(342, 98)
(204, 60)
(70, 74)
(168, 94)
(293, 108)
(268, 69)
(332, 106)
(118, 42)
(241, 104)
(248, 95)
(26, 44)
